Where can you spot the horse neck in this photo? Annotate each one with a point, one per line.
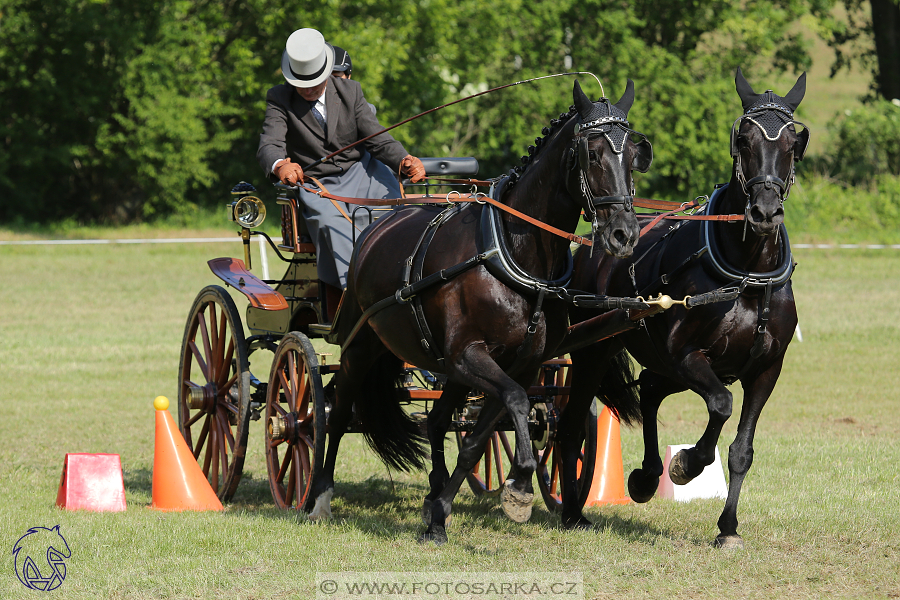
(750, 252)
(541, 194)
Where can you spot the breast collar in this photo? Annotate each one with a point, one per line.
(501, 264)
(777, 277)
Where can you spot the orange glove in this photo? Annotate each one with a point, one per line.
(413, 168)
(288, 173)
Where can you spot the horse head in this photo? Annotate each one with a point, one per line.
(599, 163)
(765, 144)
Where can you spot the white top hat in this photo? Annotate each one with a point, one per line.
(307, 59)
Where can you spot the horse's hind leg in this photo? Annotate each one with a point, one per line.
(350, 383)
(439, 420)
(740, 453)
(642, 483)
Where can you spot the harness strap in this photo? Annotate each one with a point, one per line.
(524, 350)
(403, 295)
(416, 263)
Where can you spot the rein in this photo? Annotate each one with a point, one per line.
(672, 208)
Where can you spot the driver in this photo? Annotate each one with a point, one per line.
(312, 115)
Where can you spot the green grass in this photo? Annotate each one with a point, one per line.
(91, 334)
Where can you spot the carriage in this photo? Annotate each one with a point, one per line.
(219, 395)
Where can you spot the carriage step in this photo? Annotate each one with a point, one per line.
(320, 329)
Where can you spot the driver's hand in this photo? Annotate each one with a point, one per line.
(288, 173)
(413, 168)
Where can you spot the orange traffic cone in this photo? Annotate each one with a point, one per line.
(608, 484)
(178, 482)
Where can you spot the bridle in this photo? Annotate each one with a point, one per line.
(578, 161)
(754, 115)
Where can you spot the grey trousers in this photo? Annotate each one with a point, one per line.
(330, 231)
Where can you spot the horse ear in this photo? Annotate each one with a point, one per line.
(796, 94)
(748, 96)
(582, 103)
(627, 99)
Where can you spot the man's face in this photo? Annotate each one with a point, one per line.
(313, 93)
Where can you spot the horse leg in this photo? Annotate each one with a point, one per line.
(740, 453)
(475, 367)
(439, 420)
(642, 483)
(688, 464)
(587, 373)
(470, 453)
(350, 386)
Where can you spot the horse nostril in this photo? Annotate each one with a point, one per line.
(756, 214)
(620, 237)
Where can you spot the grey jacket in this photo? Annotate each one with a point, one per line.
(291, 131)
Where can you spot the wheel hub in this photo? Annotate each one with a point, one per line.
(202, 398)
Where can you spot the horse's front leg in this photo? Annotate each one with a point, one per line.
(655, 388)
(698, 374)
(439, 419)
(740, 453)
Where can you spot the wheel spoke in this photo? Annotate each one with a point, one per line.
(501, 474)
(282, 470)
(200, 441)
(290, 487)
(298, 475)
(226, 367)
(510, 453)
(200, 362)
(193, 419)
(207, 455)
(204, 335)
(214, 447)
(225, 427)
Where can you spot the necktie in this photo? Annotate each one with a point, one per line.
(319, 117)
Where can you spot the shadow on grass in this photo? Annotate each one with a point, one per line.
(387, 509)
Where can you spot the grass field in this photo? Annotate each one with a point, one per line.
(91, 334)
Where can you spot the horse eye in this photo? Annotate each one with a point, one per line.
(592, 155)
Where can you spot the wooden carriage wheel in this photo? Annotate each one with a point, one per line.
(214, 389)
(489, 474)
(549, 466)
(295, 423)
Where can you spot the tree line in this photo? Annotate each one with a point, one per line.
(124, 110)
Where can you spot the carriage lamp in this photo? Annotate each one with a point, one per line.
(248, 211)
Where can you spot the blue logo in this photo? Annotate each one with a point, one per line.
(39, 557)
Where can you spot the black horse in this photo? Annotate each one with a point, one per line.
(741, 336)
(492, 315)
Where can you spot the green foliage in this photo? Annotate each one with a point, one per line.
(866, 143)
(824, 210)
(123, 110)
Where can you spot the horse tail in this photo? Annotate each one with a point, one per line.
(620, 391)
(392, 434)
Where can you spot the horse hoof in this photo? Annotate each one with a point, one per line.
(579, 524)
(322, 510)
(639, 491)
(729, 542)
(516, 504)
(435, 535)
(678, 469)
(426, 514)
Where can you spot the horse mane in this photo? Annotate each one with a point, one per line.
(546, 132)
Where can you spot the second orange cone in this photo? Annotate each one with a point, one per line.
(608, 484)
(178, 481)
